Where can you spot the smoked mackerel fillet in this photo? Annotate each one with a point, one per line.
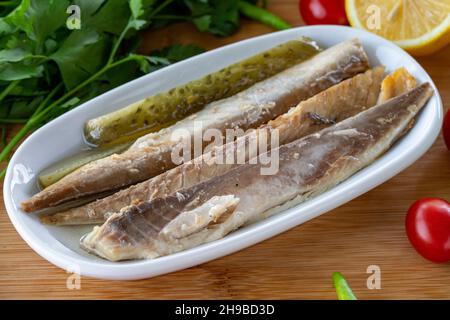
(210, 210)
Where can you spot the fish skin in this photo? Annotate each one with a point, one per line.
(338, 102)
(151, 155)
(307, 167)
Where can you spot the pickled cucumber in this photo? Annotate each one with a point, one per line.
(163, 109)
(62, 168)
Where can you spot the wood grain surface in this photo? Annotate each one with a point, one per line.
(294, 265)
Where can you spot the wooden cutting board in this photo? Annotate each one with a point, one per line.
(294, 265)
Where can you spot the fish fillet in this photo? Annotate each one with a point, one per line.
(331, 105)
(395, 84)
(210, 210)
(150, 155)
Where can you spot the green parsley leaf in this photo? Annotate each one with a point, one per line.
(111, 17)
(13, 55)
(39, 18)
(80, 55)
(19, 71)
(136, 8)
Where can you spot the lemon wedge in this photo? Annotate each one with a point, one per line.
(419, 26)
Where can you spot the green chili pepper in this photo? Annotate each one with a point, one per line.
(343, 291)
(262, 15)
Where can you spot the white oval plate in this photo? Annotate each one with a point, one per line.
(63, 136)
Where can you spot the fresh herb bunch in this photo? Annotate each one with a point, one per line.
(49, 64)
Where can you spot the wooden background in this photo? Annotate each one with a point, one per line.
(296, 264)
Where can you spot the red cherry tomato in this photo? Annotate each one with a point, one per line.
(323, 12)
(446, 129)
(428, 228)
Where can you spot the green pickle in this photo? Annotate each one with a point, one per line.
(62, 168)
(163, 109)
